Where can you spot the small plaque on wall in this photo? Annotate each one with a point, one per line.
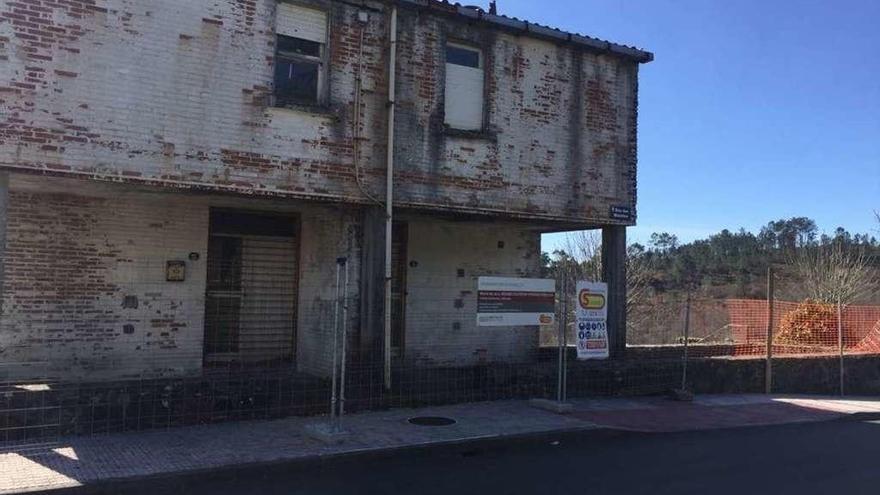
(175, 271)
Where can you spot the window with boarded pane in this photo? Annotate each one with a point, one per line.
(464, 88)
(300, 55)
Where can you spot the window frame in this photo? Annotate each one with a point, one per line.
(321, 98)
(481, 66)
(471, 48)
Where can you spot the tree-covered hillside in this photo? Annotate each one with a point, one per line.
(726, 264)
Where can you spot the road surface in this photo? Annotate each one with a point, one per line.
(814, 458)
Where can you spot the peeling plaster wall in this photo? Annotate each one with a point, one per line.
(441, 304)
(176, 93)
(76, 250)
(560, 133)
(72, 260)
(86, 296)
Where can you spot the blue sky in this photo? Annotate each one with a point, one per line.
(752, 111)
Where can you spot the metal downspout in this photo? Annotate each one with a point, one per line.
(389, 193)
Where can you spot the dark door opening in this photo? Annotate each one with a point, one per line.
(399, 237)
(250, 294)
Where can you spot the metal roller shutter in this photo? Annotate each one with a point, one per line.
(251, 291)
(268, 280)
(301, 22)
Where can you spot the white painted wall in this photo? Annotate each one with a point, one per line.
(438, 332)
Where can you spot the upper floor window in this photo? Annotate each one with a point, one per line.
(300, 55)
(464, 87)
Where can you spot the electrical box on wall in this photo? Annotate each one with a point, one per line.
(175, 271)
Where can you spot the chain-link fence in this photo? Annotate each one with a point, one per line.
(263, 335)
(244, 350)
(782, 342)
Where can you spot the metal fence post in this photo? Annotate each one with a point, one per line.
(564, 342)
(561, 345)
(335, 335)
(344, 339)
(768, 366)
(687, 323)
(840, 342)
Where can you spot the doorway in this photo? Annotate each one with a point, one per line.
(251, 290)
(399, 238)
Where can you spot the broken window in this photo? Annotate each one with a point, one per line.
(300, 55)
(464, 87)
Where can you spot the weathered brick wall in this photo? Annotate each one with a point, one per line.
(85, 287)
(444, 260)
(176, 93)
(86, 296)
(561, 135)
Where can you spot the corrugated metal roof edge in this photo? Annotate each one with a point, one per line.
(533, 29)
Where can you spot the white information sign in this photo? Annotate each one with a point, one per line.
(591, 315)
(505, 301)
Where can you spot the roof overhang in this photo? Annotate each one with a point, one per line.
(531, 29)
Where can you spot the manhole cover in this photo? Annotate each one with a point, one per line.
(431, 421)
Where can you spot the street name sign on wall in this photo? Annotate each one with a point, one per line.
(591, 320)
(515, 301)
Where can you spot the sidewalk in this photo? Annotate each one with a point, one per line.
(717, 411)
(87, 460)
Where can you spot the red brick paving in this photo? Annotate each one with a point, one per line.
(682, 416)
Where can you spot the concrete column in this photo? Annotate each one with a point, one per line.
(4, 206)
(614, 274)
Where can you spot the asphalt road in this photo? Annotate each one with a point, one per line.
(815, 458)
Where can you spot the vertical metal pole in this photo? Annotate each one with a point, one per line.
(840, 341)
(565, 346)
(687, 328)
(560, 344)
(768, 365)
(389, 193)
(4, 207)
(335, 332)
(344, 340)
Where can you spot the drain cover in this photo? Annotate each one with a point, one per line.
(431, 421)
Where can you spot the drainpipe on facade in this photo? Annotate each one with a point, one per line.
(389, 193)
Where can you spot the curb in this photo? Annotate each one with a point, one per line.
(177, 481)
(861, 416)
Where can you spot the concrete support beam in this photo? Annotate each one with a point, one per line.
(614, 274)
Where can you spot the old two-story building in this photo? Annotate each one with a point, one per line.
(178, 180)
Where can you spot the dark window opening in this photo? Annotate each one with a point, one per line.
(462, 56)
(242, 223)
(291, 45)
(298, 66)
